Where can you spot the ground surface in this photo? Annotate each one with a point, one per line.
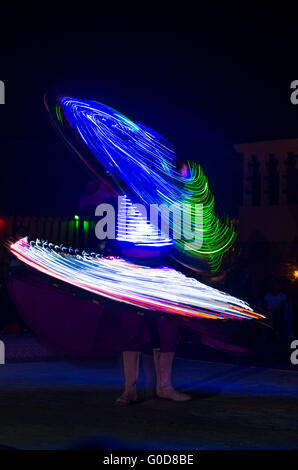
(65, 404)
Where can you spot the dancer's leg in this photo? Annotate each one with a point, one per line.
(131, 360)
(163, 359)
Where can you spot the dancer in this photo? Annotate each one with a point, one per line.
(142, 162)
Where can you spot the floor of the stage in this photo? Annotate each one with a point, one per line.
(67, 404)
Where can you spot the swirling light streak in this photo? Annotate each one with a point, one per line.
(162, 289)
(133, 227)
(140, 159)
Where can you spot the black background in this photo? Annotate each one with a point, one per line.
(211, 79)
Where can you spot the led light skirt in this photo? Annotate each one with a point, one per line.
(142, 161)
(134, 228)
(162, 289)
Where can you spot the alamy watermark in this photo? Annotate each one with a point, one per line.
(294, 94)
(2, 92)
(294, 355)
(2, 353)
(179, 221)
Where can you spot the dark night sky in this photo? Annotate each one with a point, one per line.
(221, 80)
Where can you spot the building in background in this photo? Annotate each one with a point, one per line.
(268, 219)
